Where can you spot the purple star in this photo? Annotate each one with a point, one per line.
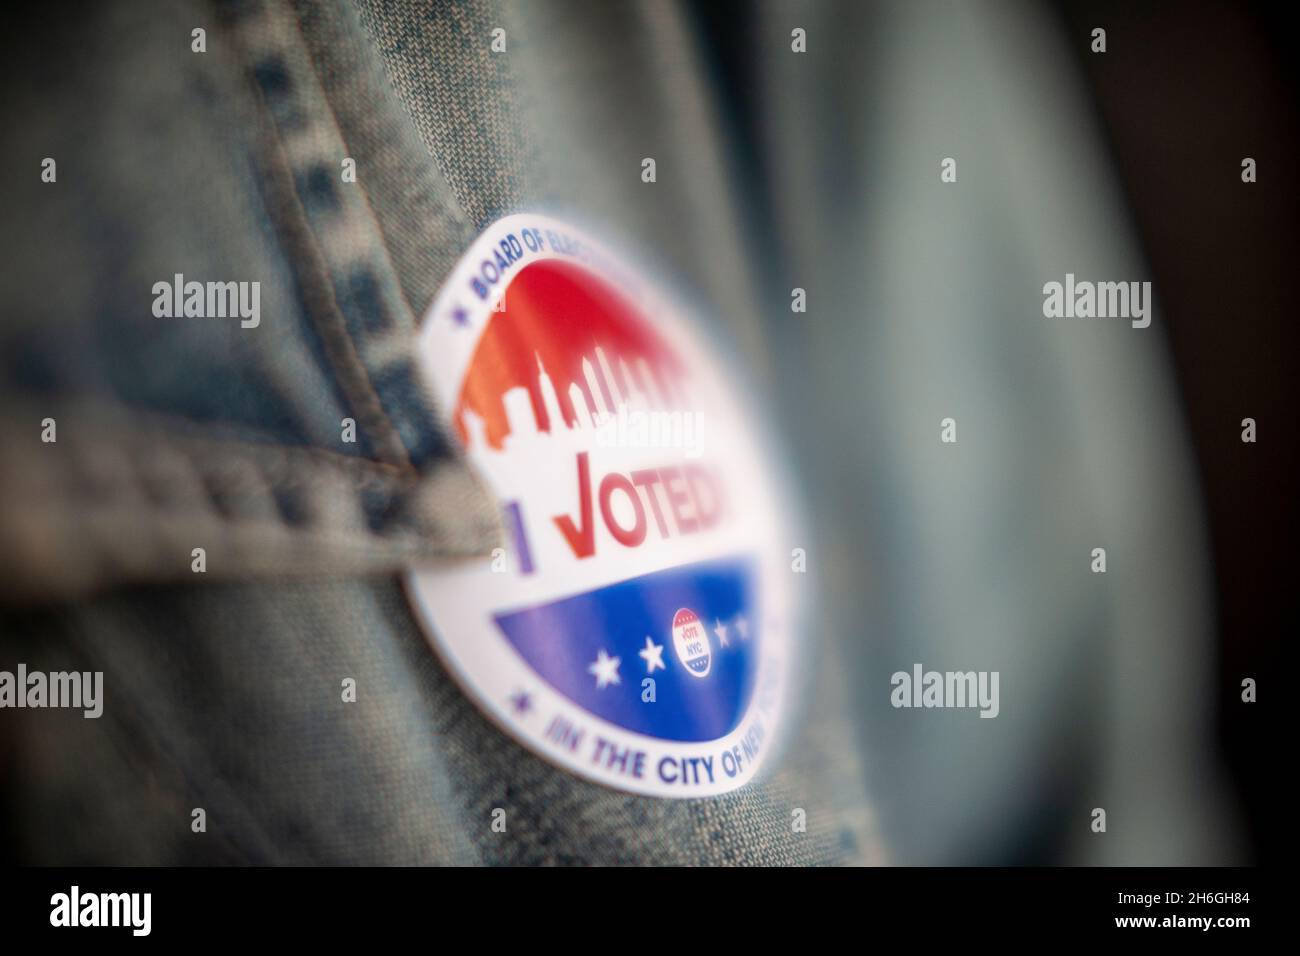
(460, 316)
(521, 702)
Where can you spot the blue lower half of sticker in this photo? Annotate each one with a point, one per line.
(572, 644)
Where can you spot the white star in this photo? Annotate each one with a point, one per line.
(605, 669)
(720, 629)
(742, 626)
(653, 655)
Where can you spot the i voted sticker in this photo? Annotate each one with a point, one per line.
(636, 628)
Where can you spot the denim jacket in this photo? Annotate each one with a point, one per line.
(225, 156)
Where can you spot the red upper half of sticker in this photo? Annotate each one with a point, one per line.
(562, 324)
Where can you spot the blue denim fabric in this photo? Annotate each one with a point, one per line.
(175, 433)
(222, 691)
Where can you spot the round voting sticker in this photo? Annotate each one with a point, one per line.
(637, 628)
